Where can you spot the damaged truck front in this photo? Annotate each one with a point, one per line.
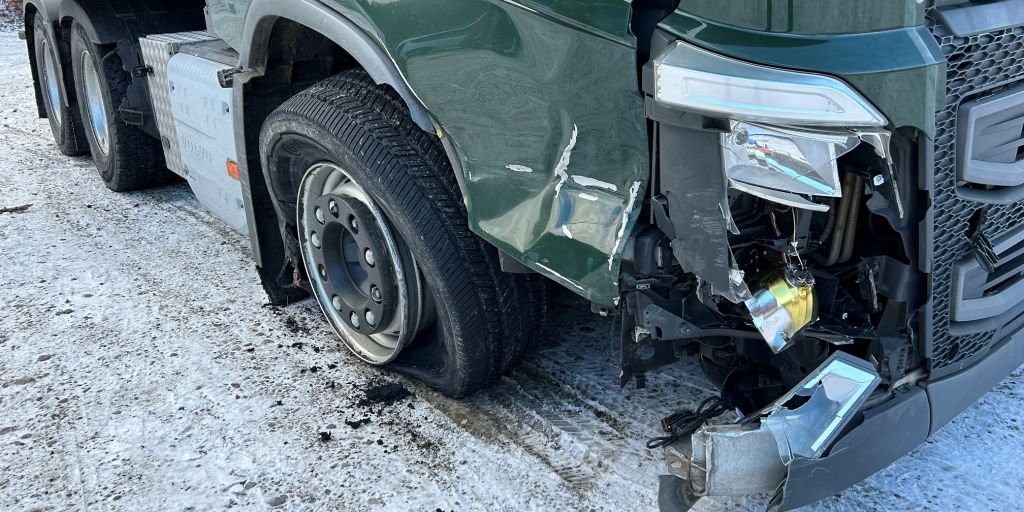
(833, 228)
(820, 200)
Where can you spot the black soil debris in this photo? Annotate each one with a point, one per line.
(357, 423)
(325, 436)
(384, 394)
(16, 209)
(295, 327)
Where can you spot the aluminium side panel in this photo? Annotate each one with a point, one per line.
(157, 51)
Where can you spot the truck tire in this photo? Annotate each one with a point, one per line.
(382, 229)
(65, 121)
(127, 158)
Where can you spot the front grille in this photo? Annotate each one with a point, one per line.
(979, 66)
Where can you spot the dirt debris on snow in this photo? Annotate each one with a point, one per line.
(15, 209)
(384, 394)
(134, 410)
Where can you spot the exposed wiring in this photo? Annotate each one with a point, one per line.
(686, 422)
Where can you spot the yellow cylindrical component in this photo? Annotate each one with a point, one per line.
(798, 300)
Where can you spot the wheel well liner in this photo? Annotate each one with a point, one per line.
(263, 15)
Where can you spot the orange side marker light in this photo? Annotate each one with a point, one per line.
(233, 169)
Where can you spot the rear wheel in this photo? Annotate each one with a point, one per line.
(383, 234)
(127, 158)
(65, 121)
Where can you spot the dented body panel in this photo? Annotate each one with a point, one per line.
(540, 103)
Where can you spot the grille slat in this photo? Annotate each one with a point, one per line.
(978, 66)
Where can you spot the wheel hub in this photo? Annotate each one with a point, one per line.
(98, 123)
(50, 85)
(365, 278)
(355, 266)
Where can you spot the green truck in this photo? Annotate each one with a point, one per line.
(822, 201)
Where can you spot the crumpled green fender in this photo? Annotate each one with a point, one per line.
(541, 102)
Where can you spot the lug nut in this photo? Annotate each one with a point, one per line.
(878, 180)
(336, 302)
(354, 223)
(371, 318)
(315, 239)
(323, 271)
(319, 215)
(368, 255)
(354, 319)
(333, 207)
(376, 295)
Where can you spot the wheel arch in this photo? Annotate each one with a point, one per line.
(257, 96)
(58, 16)
(263, 15)
(102, 25)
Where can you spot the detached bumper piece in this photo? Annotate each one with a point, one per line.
(752, 456)
(793, 449)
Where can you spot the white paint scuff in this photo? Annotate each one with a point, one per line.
(587, 181)
(566, 232)
(633, 192)
(563, 163)
(518, 168)
(560, 277)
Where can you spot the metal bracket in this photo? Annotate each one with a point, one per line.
(226, 77)
(132, 117)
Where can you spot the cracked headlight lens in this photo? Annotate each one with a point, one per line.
(781, 163)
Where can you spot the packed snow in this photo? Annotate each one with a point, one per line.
(141, 369)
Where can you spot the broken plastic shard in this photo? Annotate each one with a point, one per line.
(731, 460)
(808, 419)
(882, 142)
(738, 459)
(785, 161)
(783, 198)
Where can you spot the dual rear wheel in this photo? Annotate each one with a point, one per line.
(84, 115)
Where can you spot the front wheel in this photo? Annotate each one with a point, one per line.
(382, 232)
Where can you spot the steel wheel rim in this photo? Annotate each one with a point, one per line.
(98, 122)
(322, 183)
(50, 85)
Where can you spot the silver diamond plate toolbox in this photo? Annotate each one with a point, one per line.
(157, 51)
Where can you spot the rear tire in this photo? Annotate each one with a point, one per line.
(479, 320)
(127, 158)
(65, 121)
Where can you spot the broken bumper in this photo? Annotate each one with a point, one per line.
(887, 432)
(897, 426)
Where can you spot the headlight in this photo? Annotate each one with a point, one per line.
(788, 128)
(695, 79)
(784, 160)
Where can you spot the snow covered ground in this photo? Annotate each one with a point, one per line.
(140, 369)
